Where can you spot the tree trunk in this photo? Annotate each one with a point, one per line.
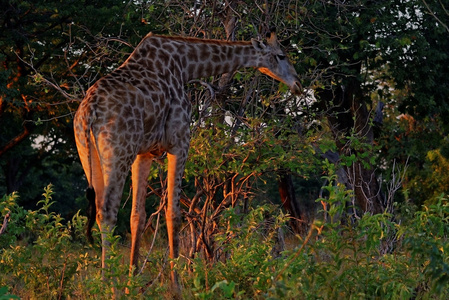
(350, 116)
(298, 211)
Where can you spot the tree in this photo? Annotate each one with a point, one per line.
(352, 56)
(50, 52)
(59, 50)
(359, 52)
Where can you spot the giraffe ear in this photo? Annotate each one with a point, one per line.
(258, 45)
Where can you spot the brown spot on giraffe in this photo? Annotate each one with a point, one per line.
(141, 110)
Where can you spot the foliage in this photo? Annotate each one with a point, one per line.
(51, 52)
(44, 256)
(246, 264)
(427, 242)
(353, 260)
(374, 256)
(37, 255)
(402, 143)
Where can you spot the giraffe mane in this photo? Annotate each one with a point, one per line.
(199, 40)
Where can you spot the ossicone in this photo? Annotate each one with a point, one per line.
(271, 36)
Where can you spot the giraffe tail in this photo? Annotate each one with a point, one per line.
(91, 213)
(90, 191)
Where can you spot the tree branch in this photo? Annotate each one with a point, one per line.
(14, 141)
(5, 223)
(435, 16)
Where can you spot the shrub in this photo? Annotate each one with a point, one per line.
(373, 256)
(39, 256)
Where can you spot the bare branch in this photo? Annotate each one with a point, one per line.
(5, 223)
(429, 10)
(14, 141)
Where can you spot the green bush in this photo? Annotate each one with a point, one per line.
(373, 256)
(38, 255)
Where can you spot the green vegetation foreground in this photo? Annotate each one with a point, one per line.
(45, 257)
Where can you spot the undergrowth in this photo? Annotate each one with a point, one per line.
(371, 257)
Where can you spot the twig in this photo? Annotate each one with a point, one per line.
(150, 283)
(152, 243)
(39, 76)
(205, 84)
(306, 241)
(49, 119)
(61, 282)
(429, 10)
(5, 223)
(203, 113)
(202, 237)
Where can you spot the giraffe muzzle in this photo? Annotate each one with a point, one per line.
(296, 88)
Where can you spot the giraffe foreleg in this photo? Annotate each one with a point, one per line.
(140, 171)
(176, 163)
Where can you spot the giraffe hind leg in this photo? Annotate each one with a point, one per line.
(109, 172)
(108, 205)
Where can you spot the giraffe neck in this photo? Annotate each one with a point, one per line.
(190, 58)
(209, 59)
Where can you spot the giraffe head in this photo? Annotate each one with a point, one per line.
(276, 64)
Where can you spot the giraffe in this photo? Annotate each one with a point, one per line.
(140, 111)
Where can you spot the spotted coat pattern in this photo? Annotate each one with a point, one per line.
(140, 110)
